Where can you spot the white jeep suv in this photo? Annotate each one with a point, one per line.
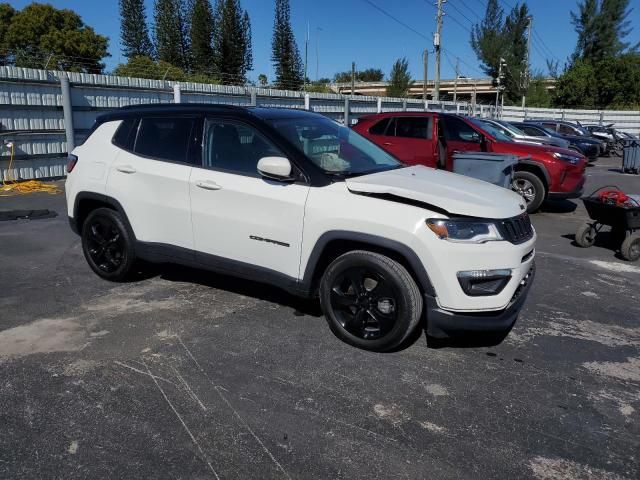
(294, 199)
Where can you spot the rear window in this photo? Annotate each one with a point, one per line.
(380, 127)
(165, 138)
(125, 135)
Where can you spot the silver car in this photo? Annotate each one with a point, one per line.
(519, 136)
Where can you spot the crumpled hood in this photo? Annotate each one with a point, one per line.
(456, 194)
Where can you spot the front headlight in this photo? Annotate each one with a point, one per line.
(464, 230)
(573, 160)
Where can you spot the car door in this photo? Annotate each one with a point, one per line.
(243, 222)
(459, 136)
(151, 180)
(414, 139)
(383, 135)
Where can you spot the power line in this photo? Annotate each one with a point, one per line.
(384, 12)
(470, 9)
(451, 4)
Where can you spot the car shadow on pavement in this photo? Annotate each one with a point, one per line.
(301, 306)
(177, 273)
(560, 206)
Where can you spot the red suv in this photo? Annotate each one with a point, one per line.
(430, 138)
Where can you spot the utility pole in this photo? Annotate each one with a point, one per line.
(353, 77)
(455, 82)
(499, 86)
(425, 60)
(525, 83)
(436, 43)
(306, 57)
(473, 98)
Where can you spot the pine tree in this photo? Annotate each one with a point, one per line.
(585, 24)
(171, 36)
(601, 27)
(496, 37)
(133, 29)
(201, 36)
(399, 79)
(487, 38)
(232, 42)
(247, 43)
(285, 55)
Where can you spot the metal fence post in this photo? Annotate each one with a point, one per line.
(562, 115)
(67, 110)
(254, 99)
(347, 115)
(404, 105)
(601, 118)
(426, 105)
(307, 101)
(177, 94)
(379, 103)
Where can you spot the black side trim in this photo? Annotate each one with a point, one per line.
(163, 253)
(402, 249)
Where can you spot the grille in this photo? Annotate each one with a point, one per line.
(517, 229)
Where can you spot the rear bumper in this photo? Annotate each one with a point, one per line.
(575, 193)
(444, 323)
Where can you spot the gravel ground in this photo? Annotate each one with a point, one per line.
(185, 374)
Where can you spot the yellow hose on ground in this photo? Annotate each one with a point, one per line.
(11, 187)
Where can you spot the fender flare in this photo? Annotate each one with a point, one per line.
(112, 202)
(400, 248)
(539, 165)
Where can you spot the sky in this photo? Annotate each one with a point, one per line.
(345, 31)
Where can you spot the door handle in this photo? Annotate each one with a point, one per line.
(126, 169)
(388, 144)
(208, 185)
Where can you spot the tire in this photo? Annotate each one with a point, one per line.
(586, 235)
(370, 301)
(630, 249)
(108, 245)
(531, 188)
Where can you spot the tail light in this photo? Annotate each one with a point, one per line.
(71, 162)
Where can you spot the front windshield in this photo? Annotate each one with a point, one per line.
(491, 130)
(334, 148)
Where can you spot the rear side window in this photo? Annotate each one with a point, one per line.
(165, 138)
(380, 127)
(550, 126)
(533, 131)
(567, 130)
(126, 133)
(414, 127)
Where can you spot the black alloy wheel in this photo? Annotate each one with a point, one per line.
(370, 300)
(364, 303)
(107, 244)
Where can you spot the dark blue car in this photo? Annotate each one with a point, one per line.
(589, 147)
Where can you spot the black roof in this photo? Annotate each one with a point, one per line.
(186, 108)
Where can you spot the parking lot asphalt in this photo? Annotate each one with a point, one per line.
(186, 374)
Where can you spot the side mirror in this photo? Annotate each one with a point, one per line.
(276, 168)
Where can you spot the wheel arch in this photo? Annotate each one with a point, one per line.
(537, 169)
(332, 244)
(86, 202)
